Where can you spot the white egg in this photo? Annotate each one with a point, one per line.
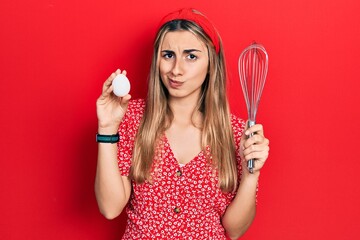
(121, 85)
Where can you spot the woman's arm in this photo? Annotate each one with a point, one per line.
(111, 189)
(241, 212)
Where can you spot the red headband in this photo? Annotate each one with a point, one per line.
(189, 15)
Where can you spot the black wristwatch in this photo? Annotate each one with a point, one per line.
(114, 138)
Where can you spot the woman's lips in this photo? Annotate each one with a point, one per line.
(175, 84)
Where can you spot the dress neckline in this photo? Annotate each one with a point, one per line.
(182, 165)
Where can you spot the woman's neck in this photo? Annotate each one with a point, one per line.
(185, 111)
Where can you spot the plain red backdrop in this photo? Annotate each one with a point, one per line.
(54, 56)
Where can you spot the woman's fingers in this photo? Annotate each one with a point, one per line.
(108, 83)
(254, 145)
(110, 108)
(107, 86)
(261, 153)
(256, 148)
(124, 101)
(256, 129)
(255, 139)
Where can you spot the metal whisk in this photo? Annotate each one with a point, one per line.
(253, 67)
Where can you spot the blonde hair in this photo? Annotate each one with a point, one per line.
(213, 104)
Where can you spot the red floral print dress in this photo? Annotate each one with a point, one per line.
(182, 201)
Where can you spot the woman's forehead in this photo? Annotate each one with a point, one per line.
(183, 40)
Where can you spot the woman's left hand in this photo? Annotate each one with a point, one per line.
(255, 147)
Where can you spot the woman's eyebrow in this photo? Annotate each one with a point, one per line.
(191, 50)
(167, 51)
(185, 51)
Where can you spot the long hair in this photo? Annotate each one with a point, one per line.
(213, 104)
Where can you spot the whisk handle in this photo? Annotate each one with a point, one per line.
(251, 162)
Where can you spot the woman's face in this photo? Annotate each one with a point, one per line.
(183, 64)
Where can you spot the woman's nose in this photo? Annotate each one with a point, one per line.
(177, 67)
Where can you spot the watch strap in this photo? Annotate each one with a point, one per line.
(101, 138)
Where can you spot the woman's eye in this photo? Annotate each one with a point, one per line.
(168, 55)
(192, 57)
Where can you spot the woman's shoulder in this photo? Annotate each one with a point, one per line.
(238, 124)
(134, 111)
(136, 107)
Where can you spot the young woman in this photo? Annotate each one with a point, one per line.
(181, 154)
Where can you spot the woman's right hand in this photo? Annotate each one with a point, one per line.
(110, 109)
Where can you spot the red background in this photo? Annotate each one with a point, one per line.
(54, 56)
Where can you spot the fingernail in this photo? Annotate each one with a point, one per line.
(247, 132)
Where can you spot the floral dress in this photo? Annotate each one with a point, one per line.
(182, 201)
